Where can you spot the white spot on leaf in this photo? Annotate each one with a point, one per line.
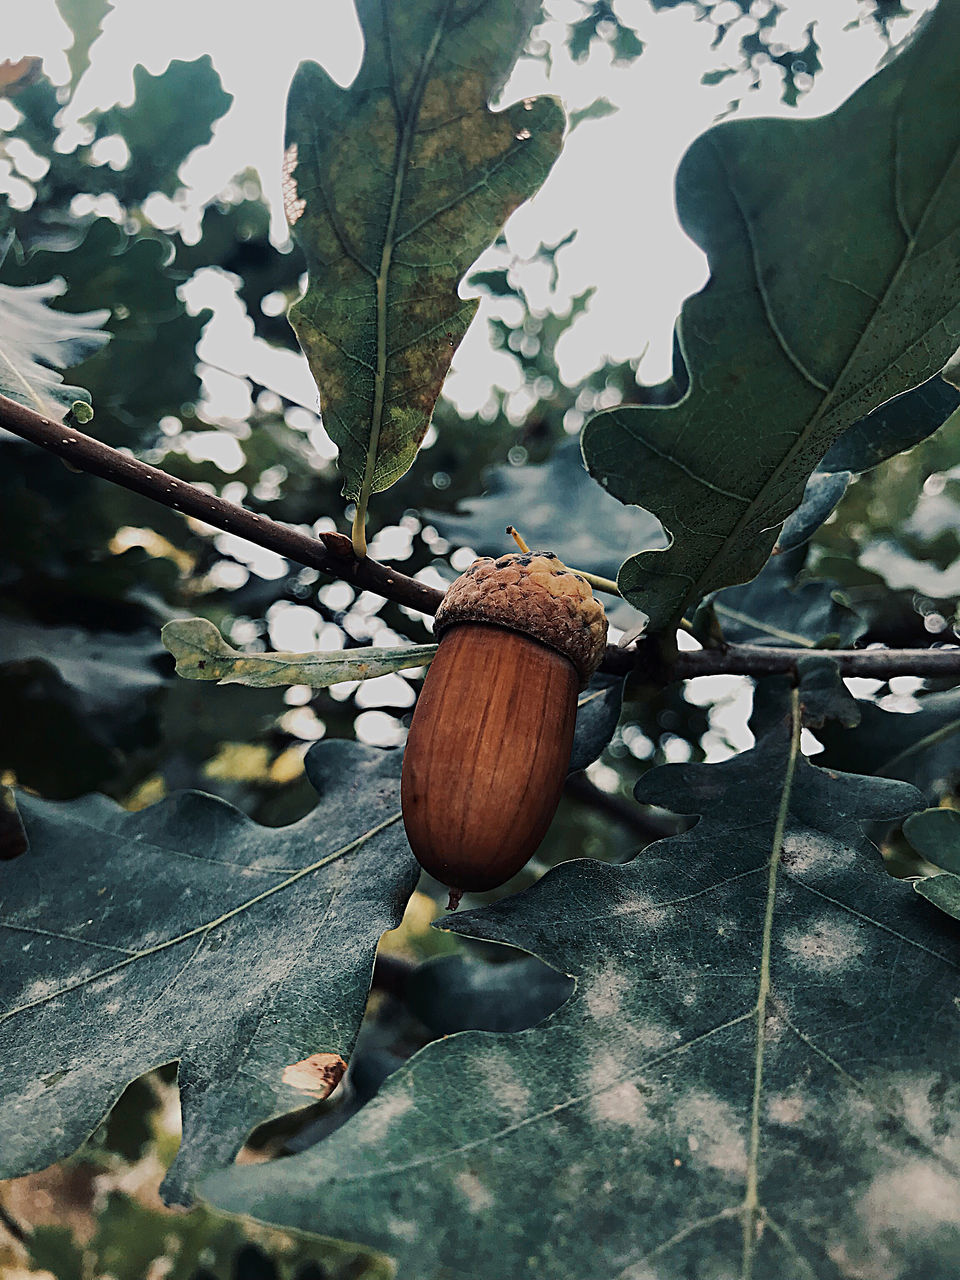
(477, 1196)
(293, 204)
(826, 946)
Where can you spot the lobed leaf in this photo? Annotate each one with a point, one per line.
(171, 115)
(918, 746)
(558, 507)
(834, 248)
(773, 609)
(935, 834)
(755, 1075)
(36, 342)
(187, 931)
(598, 714)
(85, 20)
(393, 187)
(896, 426)
(203, 654)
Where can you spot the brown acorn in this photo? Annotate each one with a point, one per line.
(491, 735)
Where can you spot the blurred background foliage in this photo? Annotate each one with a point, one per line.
(89, 572)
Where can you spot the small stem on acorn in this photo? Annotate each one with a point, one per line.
(598, 583)
(517, 539)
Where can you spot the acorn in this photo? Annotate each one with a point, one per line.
(490, 740)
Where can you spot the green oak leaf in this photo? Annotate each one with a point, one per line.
(896, 426)
(755, 1077)
(599, 109)
(85, 20)
(453, 993)
(36, 341)
(773, 609)
(203, 654)
(918, 746)
(132, 275)
(562, 510)
(943, 891)
(935, 834)
(834, 248)
(189, 932)
(88, 697)
(393, 187)
(171, 115)
(823, 695)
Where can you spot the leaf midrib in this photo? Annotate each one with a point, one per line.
(751, 1199)
(404, 143)
(23, 381)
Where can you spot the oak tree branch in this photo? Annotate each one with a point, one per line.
(332, 553)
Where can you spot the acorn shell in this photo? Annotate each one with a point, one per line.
(487, 754)
(489, 744)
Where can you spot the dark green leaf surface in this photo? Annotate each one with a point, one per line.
(36, 341)
(187, 931)
(823, 695)
(755, 1077)
(558, 507)
(74, 701)
(394, 186)
(820, 497)
(773, 609)
(130, 274)
(598, 712)
(922, 747)
(105, 670)
(943, 891)
(453, 993)
(834, 247)
(935, 834)
(899, 424)
(171, 115)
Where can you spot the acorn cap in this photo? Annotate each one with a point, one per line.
(534, 593)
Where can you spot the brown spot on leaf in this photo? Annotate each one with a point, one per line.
(317, 1075)
(15, 76)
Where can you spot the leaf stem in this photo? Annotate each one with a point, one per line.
(358, 533)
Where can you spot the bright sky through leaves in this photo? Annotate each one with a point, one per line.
(629, 245)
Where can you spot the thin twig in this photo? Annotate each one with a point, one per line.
(763, 660)
(332, 554)
(758, 660)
